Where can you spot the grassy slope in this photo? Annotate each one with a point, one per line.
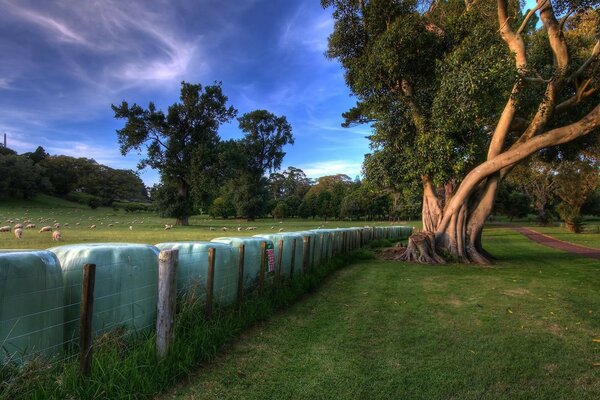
(147, 227)
(522, 329)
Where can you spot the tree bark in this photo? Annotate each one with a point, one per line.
(183, 192)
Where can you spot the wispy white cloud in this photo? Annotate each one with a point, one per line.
(324, 168)
(4, 83)
(307, 29)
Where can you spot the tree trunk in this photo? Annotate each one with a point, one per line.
(183, 192)
(432, 208)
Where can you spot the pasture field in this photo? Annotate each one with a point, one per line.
(147, 227)
(526, 328)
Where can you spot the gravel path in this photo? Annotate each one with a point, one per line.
(558, 244)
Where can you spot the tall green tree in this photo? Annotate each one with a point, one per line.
(181, 143)
(261, 149)
(460, 92)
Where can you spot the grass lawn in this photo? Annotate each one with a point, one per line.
(523, 329)
(146, 227)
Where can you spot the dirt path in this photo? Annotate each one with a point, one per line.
(558, 244)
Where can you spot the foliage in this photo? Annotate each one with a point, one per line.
(181, 143)
(21, 178)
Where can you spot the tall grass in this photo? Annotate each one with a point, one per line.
(126, 366)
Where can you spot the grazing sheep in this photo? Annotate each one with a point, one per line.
(110, 225)
(281, 229)
(211, 228)
(167, 227)
(224, 228)
(46, 229)
(18, 233)
(56, 236)
(130, 227)
(66, 224)
(5, 229)
(239, 228)
(272, 227)
(29, 226)
(18, 226)
(56, 226)
(77, 223)
(93, 227)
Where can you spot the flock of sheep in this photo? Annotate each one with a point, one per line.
(17, 229)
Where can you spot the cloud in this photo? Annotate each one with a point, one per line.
(333, 167)
(308, 29)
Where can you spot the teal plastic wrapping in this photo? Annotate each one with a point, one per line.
(286, 259)
(125, 292)
(192, 271)
(252, 255)
(31, 304)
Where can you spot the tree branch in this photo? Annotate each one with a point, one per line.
(529, 15)
(510, 157)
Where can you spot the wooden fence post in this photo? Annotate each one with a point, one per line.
(263, 261)
(85, 321)
(321, 257)
(279, 259)
(331, 246)
(305, 253)
(293, 266)
(313, 247)
(210, 283)
(240, 283)
(167, 298)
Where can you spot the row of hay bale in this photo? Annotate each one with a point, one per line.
(40, 291)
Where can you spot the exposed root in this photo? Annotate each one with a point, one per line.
(421, 249)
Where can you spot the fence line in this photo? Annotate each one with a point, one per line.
(125, 294)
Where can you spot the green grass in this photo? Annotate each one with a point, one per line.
(147, 227)
(522, 329)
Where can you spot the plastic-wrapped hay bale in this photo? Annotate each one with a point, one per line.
(314, 250)
(125, 290)
(286, 258)
(252, 255)
(329, 237)
(192, 270)
(31, 304)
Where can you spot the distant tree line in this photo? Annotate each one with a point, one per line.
(28, 174)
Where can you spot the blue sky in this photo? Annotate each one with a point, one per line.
(65, 62)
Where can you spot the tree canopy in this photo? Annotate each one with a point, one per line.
(458, 93)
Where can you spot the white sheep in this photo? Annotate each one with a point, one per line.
(5, 229)
(18, 226)
(56, 236)
(29, 226)
(93, 227)
(46, 229)
(211, 228)
(110, 225)
(18, 233)
(56, 226)
(281, 229)
(167, 227)
(224, 228)
(130, 227)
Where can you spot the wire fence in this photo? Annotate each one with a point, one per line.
(41, 307)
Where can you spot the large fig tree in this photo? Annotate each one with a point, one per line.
(458, 93)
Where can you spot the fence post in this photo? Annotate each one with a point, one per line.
(210, 283)
(322, 236)
(305, 253)
(85, 321)
(279, 258)
(293, 266)
(261, 273)
(167, 296)
(331, 246)
(240, 283)
(312, 258)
